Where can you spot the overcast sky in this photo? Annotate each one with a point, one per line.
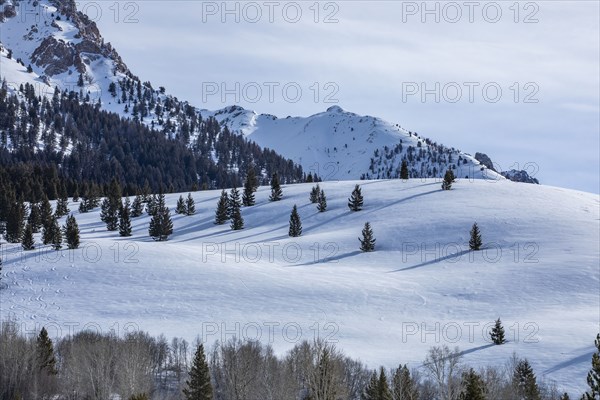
(518, 82)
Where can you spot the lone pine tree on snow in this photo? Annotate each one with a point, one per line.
(314, 194)
(475, 240)
(222, 212)
(367, 243)
(448, 180)
(190, 205)
(295, 223)
(355, 202)
(125, 220)
(72, 232)
(161, 226)
(248, 199)
(322, 202)
(180, 207)
(497, 333)
(235, 211)
(276, 192)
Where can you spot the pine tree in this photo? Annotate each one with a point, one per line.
(497, 333)
(137, 207)
(525, 381)
(565, 396)
(473, 386)
(295, 223)
(222, 212)
(71, 230)
(309, 178)
(180, 208)
(125, 220)
(404, 170)
(403, 386)
(161, 226)
(314, 194)
(475, 240)
(234, 201)
(15, 223)
(248, 199)
(276, 192)
(46, 361)
(593, 377)
(28, 243)
(57, 236)
(378, 388)
(190, 205)
(198, 386)
(62, 206)
(367, 243)
(355, 202)
(322, 202)
(237, 222)
(448, 180)
(34, 219)
(151, 205)
(111, 205)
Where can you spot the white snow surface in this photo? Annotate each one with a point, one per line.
(538, 272)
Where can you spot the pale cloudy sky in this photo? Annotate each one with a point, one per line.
(519, 81)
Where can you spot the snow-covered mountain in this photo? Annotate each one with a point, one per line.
(538, 272)
(64, 49)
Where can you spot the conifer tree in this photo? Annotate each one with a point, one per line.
(34, 219)
(234, 201)
(15, 223)
(198, 386)
(475, 240)
(309, 178)
(180, 208)
(322, 202)
(151, 205)
(367, 243)
(248, 198)
(45, 210)
(28, 243)
(404, 170)
(111, 206)
(448, 180)
(314, 194)
(497, 333)
(473, 386)
(222, 212)
(237, 222)
(593, 377)
(57, 236)
(276, 192)
(137, 207)
(62, 206)
(378, 388)
(403, 386)
(251, 178)
(295, 229)
(125, 220)
(161, 226)
(355, 202)
(48, 231)
(525, 381)
(46, 361)
(565, 396)
(71, 230)
(190, 205)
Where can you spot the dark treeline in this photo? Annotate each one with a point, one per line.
(46, 143)
(89, 365)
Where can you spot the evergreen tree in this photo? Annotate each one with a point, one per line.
(15, 221)
(378, 388)
(237, 222)
(367, 243)
(34, 219)
(111, 206)
(525, 381)
(125, 220)
(28, 243)
(322, 202)
(233, 201)
(295, 223)
(473, 386)
(222, 212)
(190, 205)
(137, 207)
(251, 178)
(475, 240)
(248, 199)
(565, 396)
(276, 192)
(161, 226)
(497, 333)
(404, 170)
(57, 236)
(355, 202)
(151, 205)
(198, 386)
(309, 178)
(593, 377)
(45, 210)
(46, 361)
(62, 206)
(71, 230)
(314, 194)
(180, 208)
(403, 386)
(448, 180)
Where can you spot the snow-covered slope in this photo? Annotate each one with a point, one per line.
(538, 272)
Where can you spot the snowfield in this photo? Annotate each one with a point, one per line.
(539, 272)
